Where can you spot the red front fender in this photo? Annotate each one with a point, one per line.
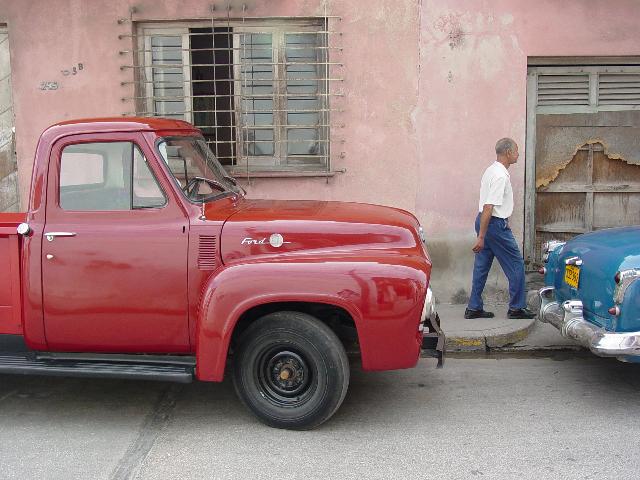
(384, 299)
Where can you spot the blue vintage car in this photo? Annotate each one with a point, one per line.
(592, 292)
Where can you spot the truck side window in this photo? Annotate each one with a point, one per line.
(107, 176)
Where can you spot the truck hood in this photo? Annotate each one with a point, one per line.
(263, 228)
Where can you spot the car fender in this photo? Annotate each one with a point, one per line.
(384, 299)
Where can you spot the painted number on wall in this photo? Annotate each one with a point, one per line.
(48, 85)
(74, 70)
(53, 85)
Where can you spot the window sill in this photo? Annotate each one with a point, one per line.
(282, 174)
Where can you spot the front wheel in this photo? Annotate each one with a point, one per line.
(291, 370)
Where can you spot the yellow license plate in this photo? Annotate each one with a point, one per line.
(572, 275)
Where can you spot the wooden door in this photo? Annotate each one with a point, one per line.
(582, 152)
(591, 192)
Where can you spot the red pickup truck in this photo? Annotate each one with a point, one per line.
(140, 257)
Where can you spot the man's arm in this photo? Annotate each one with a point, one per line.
(485, 216)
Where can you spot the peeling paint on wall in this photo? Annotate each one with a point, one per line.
(491, 56)
(549, 172)
(560, 136)
(450, 24)
(506, 19)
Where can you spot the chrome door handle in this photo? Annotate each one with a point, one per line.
(51, 235)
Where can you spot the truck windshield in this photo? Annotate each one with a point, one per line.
(196, 169)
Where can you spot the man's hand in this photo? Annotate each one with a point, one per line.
(485, 217)
(479, 245)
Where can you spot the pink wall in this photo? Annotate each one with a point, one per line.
(472, 91)
(430, 84)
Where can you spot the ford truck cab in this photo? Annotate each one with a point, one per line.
(140, 257)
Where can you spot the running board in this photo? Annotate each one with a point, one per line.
(30, 364)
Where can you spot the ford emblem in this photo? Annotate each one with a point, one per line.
(276, 240)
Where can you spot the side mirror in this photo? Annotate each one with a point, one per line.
(235, 183)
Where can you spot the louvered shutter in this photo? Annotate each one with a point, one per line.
(563, 89)
(619, 89)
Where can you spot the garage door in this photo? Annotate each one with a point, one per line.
(583, 133)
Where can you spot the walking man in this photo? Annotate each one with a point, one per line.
(495, 238)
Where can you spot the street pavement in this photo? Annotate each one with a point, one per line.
(569, 415)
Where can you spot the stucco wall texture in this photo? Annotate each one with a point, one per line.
(430, 86)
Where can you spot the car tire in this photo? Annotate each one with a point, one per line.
(290, 370)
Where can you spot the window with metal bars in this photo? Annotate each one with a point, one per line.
(259, 91)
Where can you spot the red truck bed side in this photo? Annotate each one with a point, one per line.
(10, 305)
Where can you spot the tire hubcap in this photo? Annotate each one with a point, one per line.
(285, 377)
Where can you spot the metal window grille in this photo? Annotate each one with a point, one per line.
(261, 90)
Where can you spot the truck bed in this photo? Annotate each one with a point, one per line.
(10, 304)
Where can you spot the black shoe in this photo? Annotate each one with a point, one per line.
(520, 313)
(469, 313)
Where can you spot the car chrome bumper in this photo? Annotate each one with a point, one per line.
(433, 338)
(568, 318)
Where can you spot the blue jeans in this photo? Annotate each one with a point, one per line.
(499, 243)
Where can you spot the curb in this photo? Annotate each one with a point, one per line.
(487, 339)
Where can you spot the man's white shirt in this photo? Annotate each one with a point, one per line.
(495, 189)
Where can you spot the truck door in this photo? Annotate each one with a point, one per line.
(114, 252)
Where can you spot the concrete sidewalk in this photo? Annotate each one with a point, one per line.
(499, 333)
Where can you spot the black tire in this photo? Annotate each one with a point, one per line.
(291, 370)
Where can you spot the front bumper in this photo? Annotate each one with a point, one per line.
(433, 338)
(568, 318)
